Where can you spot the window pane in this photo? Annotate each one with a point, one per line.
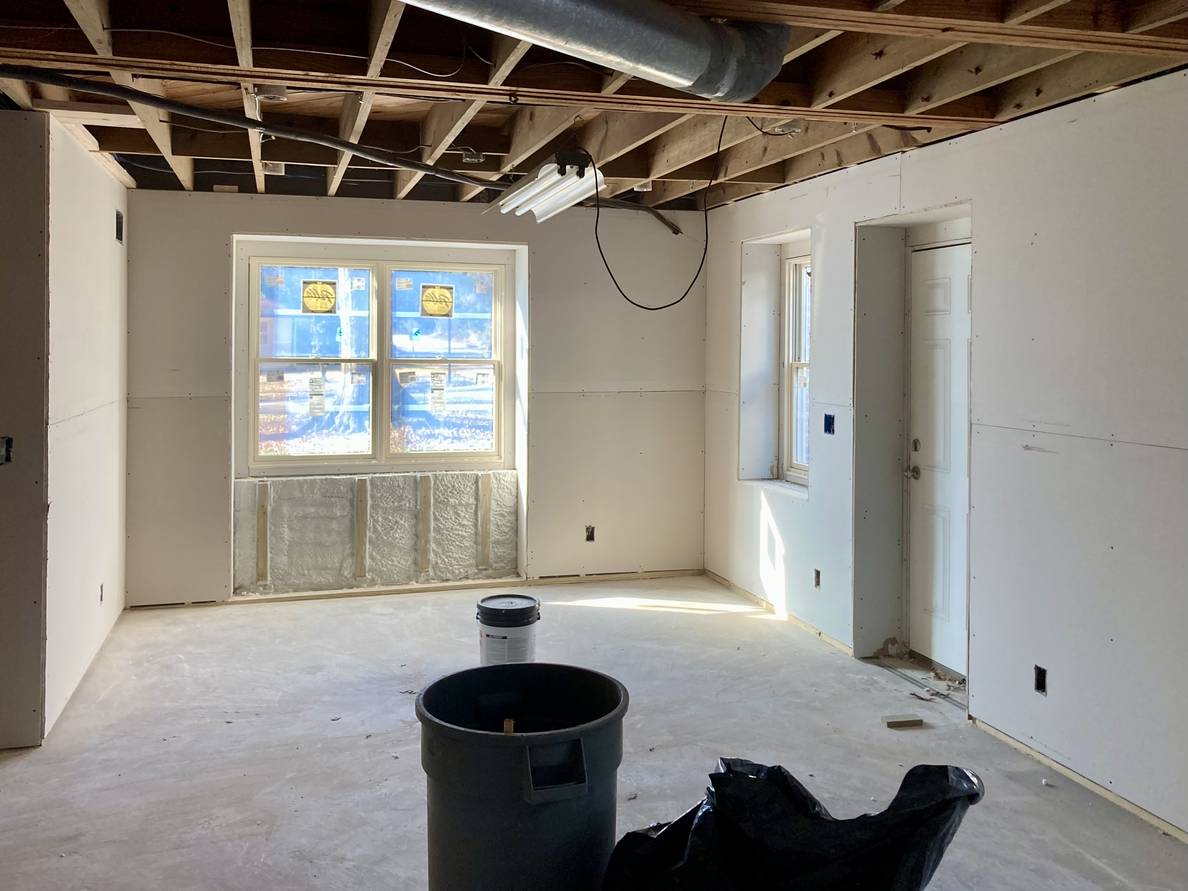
(313, 312)
(443, 408)
(804, 277)
(308, 410)
(442, 314)
(800, 416)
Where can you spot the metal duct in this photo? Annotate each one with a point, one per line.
(643, 38)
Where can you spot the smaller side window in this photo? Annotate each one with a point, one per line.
(794, 396)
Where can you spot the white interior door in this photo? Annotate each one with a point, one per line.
(938, 453)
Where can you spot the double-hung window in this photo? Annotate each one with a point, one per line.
(794, 367)
(374, 362)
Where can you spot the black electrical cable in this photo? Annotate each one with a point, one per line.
(380, 156)
(751, 121)
(704, 249)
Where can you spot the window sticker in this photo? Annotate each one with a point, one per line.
(319, 296)
(317, 397)
(403, 284)
(437, 384)
(437, 301)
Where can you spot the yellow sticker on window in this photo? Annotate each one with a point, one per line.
(437, 301)
(319, 296)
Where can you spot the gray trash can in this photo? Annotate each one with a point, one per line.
(532, 809)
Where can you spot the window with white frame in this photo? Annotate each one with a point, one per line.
(794, 368)
(363, 361)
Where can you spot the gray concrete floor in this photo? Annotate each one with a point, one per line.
(269, 746)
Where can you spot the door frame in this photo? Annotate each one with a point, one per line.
(905, 520)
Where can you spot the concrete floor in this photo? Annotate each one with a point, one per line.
(264, 746)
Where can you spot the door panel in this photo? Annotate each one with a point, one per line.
(938, 440)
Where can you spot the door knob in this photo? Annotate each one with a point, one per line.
(912, 473)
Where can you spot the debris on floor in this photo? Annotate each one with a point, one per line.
(759, 828)
(896, 721)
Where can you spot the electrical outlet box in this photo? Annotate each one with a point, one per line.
(829, 425)
(5, 449)
(1041, 680)
(589, 533)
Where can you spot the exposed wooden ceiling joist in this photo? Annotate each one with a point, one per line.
(964, 22)
(94, 18)
(356, 107)
(446, 121)
(862, 78)
(241, 29)
(772, 102)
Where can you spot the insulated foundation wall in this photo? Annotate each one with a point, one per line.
(338, 532)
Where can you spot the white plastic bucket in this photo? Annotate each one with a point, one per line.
(507, 628)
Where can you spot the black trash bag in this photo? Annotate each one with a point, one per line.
(759, 829)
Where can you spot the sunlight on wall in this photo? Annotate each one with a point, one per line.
(647, 604)
(773, 581)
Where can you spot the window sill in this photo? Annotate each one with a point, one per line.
(263, 471)
(798, 491)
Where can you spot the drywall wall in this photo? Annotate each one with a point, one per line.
(880, 270)
(1080, 317)
(603, 377)
(87, 407)
(62, 353)
(24, 150)
(414, 527)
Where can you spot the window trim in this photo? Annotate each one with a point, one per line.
(792, 304)
(381, 259)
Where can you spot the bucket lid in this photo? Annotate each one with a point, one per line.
(508, 610)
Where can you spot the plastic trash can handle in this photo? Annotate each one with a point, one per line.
(554, 772)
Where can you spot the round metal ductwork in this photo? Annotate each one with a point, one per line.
(644, 38)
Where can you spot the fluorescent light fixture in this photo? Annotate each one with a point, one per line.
(567, 180)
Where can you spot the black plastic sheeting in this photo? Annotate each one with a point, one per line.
(759, 829)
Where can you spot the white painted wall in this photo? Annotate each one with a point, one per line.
(616, 402)
(1079, 467)
(87, 407)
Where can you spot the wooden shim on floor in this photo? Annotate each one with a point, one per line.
(895, 721)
